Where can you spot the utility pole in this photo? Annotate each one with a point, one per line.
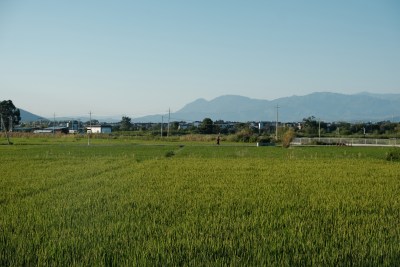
(169, 118)
(89, 131)
(54, 123)
(319, 129)
(276, 125)
(162, 122)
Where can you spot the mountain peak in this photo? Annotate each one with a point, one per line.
(325, 105)
(27, 116)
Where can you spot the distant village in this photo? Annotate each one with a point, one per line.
(94, 126)
(308, 127)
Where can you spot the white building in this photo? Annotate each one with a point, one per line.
(99, 129)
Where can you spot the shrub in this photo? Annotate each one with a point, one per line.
(265, 141)
(169, 154)
(245, 136)
(393, 155)
(287, 138)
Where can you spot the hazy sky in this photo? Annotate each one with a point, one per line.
(137, 58)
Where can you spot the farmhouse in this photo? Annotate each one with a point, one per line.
(99, 128)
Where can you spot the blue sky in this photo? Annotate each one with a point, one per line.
(137, 58)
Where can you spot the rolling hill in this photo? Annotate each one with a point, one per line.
(26, 116)
(322, 105)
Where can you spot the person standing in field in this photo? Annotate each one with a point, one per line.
(218, 139)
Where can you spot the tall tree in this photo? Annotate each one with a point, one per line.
(125, 124)
(312, 126)
(9, 113)
(207, 126)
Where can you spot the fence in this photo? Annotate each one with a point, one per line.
(345, 142)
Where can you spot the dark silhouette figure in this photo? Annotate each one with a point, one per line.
(218, 140)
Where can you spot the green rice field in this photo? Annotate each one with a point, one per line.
(120, 203)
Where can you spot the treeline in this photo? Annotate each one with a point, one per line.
(254, 131)
(311, 127)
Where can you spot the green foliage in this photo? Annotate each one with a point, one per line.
(169, 154)
(393, 155)
(265, 141)
(207, 126)
(246, 135)
(119, 203)
(310, 125)
(125, 124)
(9, 114)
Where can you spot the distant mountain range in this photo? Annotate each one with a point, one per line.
(328, 107)
(325, 106)
(27, 117)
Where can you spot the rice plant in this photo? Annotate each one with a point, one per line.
(128, 204)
